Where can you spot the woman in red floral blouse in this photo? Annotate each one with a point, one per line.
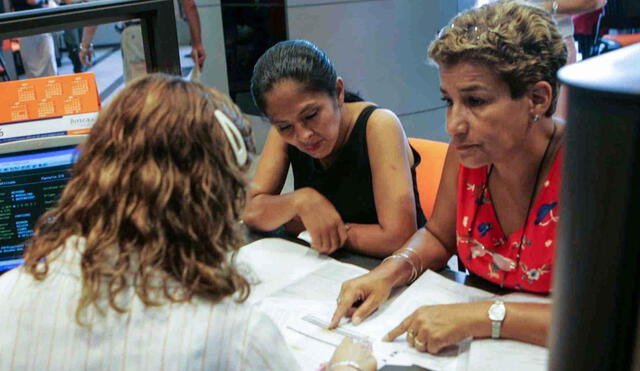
(497, 205)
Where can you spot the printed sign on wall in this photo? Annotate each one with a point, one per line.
(46, 106)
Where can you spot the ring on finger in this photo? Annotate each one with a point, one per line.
(410, 332)
(418, 343)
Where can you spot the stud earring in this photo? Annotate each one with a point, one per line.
(536, 117)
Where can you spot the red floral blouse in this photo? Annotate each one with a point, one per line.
(483, 246)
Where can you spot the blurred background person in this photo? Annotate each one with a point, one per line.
(562, 11)
(587, 32)
(72, 39)
(131, 43)
(37, 51)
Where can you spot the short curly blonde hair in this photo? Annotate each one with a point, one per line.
(518, 40)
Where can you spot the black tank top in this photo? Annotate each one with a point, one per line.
(348, 183)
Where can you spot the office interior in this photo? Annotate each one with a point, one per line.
(379, 48)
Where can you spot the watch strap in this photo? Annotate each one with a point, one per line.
(496, 326)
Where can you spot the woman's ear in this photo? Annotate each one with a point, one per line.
(541, 97)
(340, 91)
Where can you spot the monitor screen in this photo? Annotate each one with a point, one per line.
(30, 184)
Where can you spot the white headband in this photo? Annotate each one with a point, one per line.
(234, 137)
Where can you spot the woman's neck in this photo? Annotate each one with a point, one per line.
(347, 121)
(518, 171)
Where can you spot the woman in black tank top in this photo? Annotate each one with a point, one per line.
(354, 171)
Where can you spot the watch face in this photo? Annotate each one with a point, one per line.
(497, 312)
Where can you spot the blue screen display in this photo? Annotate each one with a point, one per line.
(30, 184)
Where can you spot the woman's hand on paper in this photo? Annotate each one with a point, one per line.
(322, 220)
(361, 296)
(432, 328)
(351, 350)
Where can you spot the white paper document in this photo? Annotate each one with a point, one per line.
(305, 236)
(298, 288)
(488, 354)
(271, 264)
(287, 313)
(322, 283)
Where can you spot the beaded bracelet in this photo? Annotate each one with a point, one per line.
(351, 364)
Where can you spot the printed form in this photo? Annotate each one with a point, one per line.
(298, 288)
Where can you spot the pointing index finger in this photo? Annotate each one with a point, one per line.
(345, 301)
(399, 330)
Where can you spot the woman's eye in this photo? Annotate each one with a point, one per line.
(475, 102)
(284, 128)
(448, 101)
(311, 116)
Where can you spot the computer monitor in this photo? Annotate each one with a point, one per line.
(32, 175)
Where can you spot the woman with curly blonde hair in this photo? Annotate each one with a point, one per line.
(134, 268)
(497, 205)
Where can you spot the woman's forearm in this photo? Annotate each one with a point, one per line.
(526, 322)
(373, 239)
(432, 256)
(267, 212)
(87, 35)
(193, 21)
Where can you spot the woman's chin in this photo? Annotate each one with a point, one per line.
(472, 162)
(318, 153)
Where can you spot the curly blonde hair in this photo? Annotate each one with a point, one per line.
(518, 40)
(157, 194)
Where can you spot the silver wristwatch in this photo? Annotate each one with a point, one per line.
(497, 312)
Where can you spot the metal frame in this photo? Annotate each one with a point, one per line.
(157, 19)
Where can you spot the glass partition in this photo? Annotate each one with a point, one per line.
(149, 18)
(250, 28)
